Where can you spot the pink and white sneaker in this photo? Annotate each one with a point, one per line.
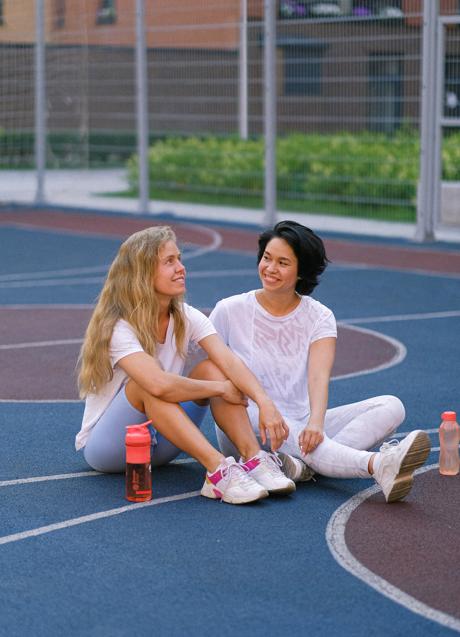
(265, 468)
(231, 483)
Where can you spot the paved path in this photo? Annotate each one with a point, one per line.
(87, 189)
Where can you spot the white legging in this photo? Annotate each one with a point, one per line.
(350, 431)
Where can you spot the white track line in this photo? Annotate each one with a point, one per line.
(216, 238)
(388, 268)
(67, 341)
(43, 283)
(25, 276)
(335, 537)
(38, 279)
(59, 476)
(40, 400)
(68, 476)
(47, 306)
(403, 434)
(402, 317)
(399, 356)
(100, 279)
(42, 530)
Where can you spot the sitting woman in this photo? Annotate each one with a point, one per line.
(131, 363)
(288, 340)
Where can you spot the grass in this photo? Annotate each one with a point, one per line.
(364, 211)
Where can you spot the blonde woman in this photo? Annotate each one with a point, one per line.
(131, 366)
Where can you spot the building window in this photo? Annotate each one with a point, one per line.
(385, 92)
(302, 66)
(106, 12)
(59, 14)
(298, 9)
(377, 8)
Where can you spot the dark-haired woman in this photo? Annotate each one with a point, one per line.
(288, 340)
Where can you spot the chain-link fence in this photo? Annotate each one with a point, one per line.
(347, 81)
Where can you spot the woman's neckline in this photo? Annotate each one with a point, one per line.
(291, 309)
(167, 330)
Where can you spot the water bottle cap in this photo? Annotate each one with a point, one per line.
(138, 435)
(449, 415)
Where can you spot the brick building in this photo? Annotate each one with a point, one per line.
(352, 67)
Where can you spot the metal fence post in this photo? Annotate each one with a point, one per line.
(429, 171)
(270, 111)
(142, 108)
(243, 71)
(40, 110)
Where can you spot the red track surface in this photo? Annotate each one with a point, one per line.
(339, 251)
(423, 529)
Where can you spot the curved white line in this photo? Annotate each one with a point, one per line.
(335, 536)
(38, 279)
(400, 355)
(216, 241)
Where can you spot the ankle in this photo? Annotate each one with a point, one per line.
(249, 452)
(212, 464)
(371, 464)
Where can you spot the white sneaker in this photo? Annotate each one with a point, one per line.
(265, 469)
(231, 483)
(294, 468)
(397, 463)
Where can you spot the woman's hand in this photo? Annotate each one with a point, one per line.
(271, 423)
(233, 395)
(310, 438)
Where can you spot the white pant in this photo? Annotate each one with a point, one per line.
(350, 430)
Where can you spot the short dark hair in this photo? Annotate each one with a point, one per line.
(307, 247)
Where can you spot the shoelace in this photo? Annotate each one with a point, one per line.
(389, 445)
(242, 477)
(273, 463)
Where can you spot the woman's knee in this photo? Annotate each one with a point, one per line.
(396, 408)
(135, 395)
(207, 370)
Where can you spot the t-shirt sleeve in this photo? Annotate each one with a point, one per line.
(219, 318)
(325, 326)
(199, 324)
(124, 341)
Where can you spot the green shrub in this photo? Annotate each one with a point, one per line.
(207, 165)
(365, 168)
(69, 149)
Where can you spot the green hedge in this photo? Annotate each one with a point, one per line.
(360, 168)
(69, 149)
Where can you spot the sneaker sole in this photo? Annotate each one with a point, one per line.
(415, 457)
(283, 490)
(229, 500)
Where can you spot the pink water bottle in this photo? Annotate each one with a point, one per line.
(449, 437)
(138, 467)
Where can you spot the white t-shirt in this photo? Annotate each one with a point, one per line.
(275, 348)
(124, 342)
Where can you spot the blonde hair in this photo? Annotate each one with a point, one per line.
(128, 293)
